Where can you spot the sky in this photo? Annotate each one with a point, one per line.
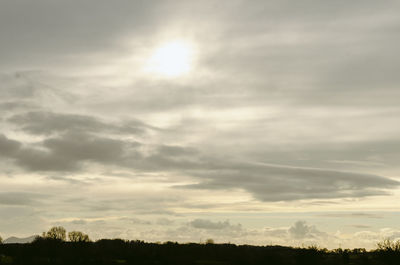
(250, 122)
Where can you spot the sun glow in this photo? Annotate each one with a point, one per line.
(171, 59)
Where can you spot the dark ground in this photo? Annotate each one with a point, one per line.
(117, 251)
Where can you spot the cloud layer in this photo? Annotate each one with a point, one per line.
(288, 108)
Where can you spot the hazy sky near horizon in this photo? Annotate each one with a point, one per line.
(261, 122)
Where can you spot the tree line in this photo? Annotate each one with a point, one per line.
(59, 233)
(56, 246)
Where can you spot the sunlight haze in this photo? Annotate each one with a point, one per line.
(251, 122)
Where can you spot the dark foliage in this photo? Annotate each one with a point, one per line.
(117, 251)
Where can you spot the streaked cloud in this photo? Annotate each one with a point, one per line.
(288, 108)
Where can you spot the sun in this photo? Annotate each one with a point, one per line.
(172, 59)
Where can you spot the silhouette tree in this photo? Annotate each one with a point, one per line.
(56, 233)
(210, 241)
(76, 236)
(1, 240)
(389, 245)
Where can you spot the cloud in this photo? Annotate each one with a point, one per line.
(287, 102)
(280, 183)
(71, 27)
(20, 219)
(361, 226)
(45, 123)
(353, 215)
(207, 224)
(66, 152)
(164, 221)
(301, 230)
(266, 182)
(12, 106)
(79, 222)
(136, 221)
(8, 147)
(20, 198)
(373, 237)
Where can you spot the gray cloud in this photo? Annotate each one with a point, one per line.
(301, 230)
(20, 198)
(276, 183)
(8, 147)
(79, 222)
(361, 226)
(16, 87)
(48, 123)
(164, 221)
(69, 151)
(65, 153)
(12, 106)
(137, 221)
(207, 224)
(59, 28)
(138, 203)
(353, 215)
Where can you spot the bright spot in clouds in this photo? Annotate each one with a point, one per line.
(171, 59)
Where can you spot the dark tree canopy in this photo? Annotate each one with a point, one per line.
(57, 233)
(76, 236)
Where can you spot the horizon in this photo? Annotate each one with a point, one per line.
(385, 244)
(261, 123)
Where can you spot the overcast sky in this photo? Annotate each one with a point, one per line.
(282, 129)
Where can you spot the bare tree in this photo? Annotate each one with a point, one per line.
(76, 236)
(57, 232)
(389, 245)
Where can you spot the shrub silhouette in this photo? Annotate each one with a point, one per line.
(210, 241)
